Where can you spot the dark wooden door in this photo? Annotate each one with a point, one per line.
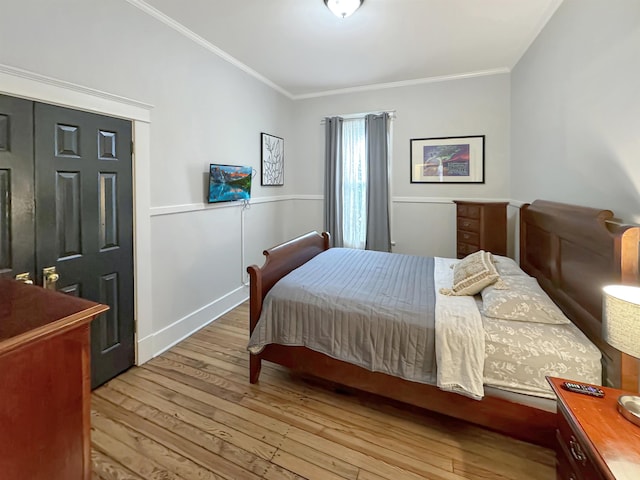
(84, 182)
(76, 168)
(17, 228)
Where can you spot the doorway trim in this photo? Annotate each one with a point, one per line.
(33, 86)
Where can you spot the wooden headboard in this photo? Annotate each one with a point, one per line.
(573, 252)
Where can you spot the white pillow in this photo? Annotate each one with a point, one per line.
(472, 274)
(523, 299)
(507, 266)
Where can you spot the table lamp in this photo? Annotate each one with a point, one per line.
(621, 330)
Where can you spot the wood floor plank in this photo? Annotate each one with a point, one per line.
(308, 428)
(307, 469)
(189, 447)
(366, 475)
(326, 463)
(536, 455)
(178, 464)
(346, 438)
(365, 428)
(489, 458)
(224, 449)
(197, 435)
(256, 439)
(108, 469)
(191, 413)
(323, 460)
(194, 398)
(435, 465)
(379, 461)
(122, 453)
(475, 473)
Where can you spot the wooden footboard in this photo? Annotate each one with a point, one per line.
(280, 260)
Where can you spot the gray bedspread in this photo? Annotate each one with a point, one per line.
(372, 309)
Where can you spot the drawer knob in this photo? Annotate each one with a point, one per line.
(576, 451)
(465, 224)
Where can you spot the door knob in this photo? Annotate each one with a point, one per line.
(49, 278)
(24, 278)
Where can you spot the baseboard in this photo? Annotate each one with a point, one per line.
(162, 340)
(144, 349)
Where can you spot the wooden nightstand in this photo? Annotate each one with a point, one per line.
(593, 440)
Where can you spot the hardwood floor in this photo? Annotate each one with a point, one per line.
(192, 414)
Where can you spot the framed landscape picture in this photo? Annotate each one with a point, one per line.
(272, 152)
(447, 159)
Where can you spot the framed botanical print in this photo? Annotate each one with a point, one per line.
(272, 155)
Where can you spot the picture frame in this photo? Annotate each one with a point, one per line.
(447, 159)
(272, 160)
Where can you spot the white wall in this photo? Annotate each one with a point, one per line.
(205, 111)
(423, 216)
(575, 117)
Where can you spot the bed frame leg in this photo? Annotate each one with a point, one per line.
(255, 363)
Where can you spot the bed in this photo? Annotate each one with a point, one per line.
(572, 251)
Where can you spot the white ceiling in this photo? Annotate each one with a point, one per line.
(303, 50)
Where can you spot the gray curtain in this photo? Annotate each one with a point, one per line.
(333, 180)
(378, 230)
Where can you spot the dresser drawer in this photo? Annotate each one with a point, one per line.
(469, 211)
(470, 238)
(564, 468)
(573, 452)
(465, 249)
(468, 224)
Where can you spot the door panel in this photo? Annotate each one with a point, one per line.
(67, 215)
(16, 187)
(84, 177)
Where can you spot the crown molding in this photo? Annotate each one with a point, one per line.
(34, 86)
(404, 83)
(178, 27)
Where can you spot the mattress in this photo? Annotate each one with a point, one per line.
(371, 309)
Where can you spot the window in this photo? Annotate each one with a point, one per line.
(356, 201)
(354, 183)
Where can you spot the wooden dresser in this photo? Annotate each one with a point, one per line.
(594, 442)
(481, 226)
(44, 383)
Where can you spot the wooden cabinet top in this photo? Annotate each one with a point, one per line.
(478, 202)
(28, 312)
(613, 440)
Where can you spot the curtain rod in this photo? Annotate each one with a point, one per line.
(392, 115)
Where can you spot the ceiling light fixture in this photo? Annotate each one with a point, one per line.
(343, 8)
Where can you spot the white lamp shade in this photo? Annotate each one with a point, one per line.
(621, 318)
(343, 8)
